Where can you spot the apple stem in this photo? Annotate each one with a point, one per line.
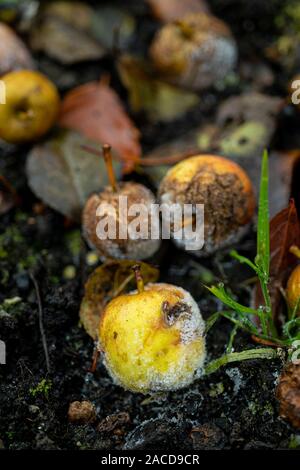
(109, 166)
(138, 277)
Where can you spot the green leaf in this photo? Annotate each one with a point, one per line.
(263, 228)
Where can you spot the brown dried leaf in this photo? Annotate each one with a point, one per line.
(106, 282)
(284, 232)
(171, 10)
(64, 32)
(13, 53)
(95, 110)
(160, 101)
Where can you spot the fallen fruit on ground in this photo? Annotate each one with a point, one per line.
(31, 108)
(224, 189)
(104, 212)
(195, 51)
(293, 288)
(152, 339)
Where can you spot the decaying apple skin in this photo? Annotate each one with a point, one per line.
(293, 288)
(153, 340)
(31, 108)
(194, 52)
(224, 189)
(128, 248)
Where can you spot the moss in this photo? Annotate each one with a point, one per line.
(294, 441)
(12, 307)
(74, 242)
(43, 387)
(216, 390)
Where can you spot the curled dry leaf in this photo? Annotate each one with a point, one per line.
(13, 53)
(159, 100)
(288, 393)
(171, 10)
(106, 282)
(63, 174)
(95, 110)
(284, 232)
(64, 32)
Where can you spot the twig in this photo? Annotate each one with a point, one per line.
(41, 326)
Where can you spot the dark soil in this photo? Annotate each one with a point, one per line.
(233, 408)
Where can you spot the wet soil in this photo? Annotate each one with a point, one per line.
(233, 408)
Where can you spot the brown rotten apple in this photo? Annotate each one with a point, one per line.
(224, 189)
(107, 209)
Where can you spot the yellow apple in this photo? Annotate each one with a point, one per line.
(153, 339)
(31, 108)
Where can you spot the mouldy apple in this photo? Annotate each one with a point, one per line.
(224, 189)
(194, 52)
(152, 339)
(125, 245)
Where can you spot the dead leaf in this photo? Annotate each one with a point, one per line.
(64, 32)
(171, 10)
(253, 106)
(284, 232)
(95, 110)
(63, 174)
(159, 100)
(106, 282)
(113, 26)
(13, 53)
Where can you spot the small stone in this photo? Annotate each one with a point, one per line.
(81, 412)
(207, 437)
(114, 423)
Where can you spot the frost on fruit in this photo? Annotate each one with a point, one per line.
(153, 340)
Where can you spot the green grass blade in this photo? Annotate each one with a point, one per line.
(263, 228)
(222, 295)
